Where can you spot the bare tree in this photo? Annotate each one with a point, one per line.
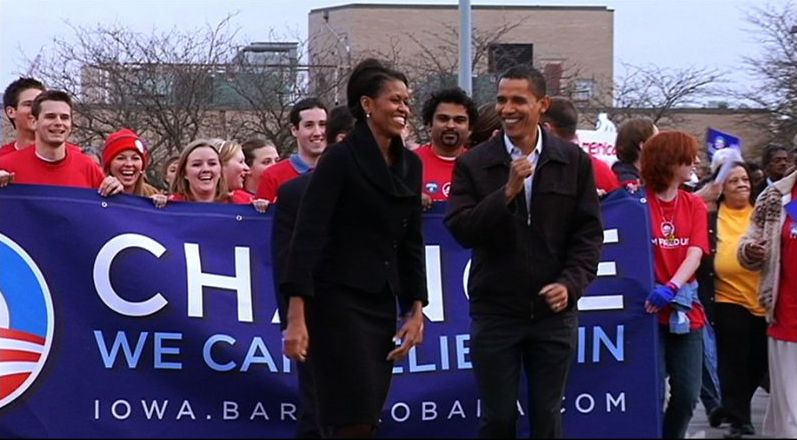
(161, 84)
(269, 87)
(775, 67)
(655, 92)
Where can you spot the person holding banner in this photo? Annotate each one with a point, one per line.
(358, 248)
(679, 223)
(527, 205)
(53, 161)
(199, 176)
(126, 158)
(770, 246)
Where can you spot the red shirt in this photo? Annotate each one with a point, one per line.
(437, 172)
(677, 226)
(8, 148)
(272, 179)
(241, 197)
(12, 148)
(605, 179)
(76, 169)
(785, 326)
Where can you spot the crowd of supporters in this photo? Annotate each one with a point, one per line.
(723, 245)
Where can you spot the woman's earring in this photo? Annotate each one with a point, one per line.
(368, 115)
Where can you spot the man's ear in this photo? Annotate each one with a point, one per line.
(10, 112)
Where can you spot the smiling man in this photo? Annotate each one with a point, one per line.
(52, 161)
(308, 125)
(449, 114)
(17, 103)
(526, 203)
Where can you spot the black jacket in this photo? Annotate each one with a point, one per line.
(289, 198)
(359, 223)
(512, 259)
(705, 273)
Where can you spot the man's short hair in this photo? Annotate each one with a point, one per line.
(49, 95)
(12, 92)
(563, 115)
(304, 104)
(534, 77)
(770, 151)
(454, 95)
(630, 136)
(340, 120)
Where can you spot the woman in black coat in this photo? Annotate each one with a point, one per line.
(357, 251)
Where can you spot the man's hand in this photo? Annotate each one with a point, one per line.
(410, 334)
(556, 296)
(5, 178)
(519, 170)
(261, 205)
(426, 202)
(110, 186)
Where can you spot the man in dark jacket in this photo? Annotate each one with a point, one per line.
(527, 205)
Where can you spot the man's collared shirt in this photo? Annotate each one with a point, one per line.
(533, 157)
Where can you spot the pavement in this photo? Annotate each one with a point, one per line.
(699, 427)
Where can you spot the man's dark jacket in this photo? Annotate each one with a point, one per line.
(515, 255)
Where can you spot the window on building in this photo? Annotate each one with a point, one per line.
(584, 89)
(553, 78)
(502, 56)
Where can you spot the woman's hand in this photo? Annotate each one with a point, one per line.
(295, 338)
(110, 186)
(159, 200)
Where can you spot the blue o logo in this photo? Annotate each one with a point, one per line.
(26, 321)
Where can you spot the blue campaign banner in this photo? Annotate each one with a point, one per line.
(119, 320)
(717, 140)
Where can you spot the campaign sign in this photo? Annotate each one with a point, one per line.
(717, 140)
(161, 323)
(600, 144)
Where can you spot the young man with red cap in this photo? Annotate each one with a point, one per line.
(125, 157)
(17, 102)
(308, 124)
(51, 161)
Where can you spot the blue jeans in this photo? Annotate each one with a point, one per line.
(682, 357)
(710, 390)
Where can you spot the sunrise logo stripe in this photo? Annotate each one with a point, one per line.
(19, 355)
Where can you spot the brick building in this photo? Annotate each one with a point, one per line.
(573, 46)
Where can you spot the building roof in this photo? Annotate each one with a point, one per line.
(453, 6)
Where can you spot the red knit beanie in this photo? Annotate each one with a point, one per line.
(123, 140)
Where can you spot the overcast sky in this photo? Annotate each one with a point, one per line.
(675, 33)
